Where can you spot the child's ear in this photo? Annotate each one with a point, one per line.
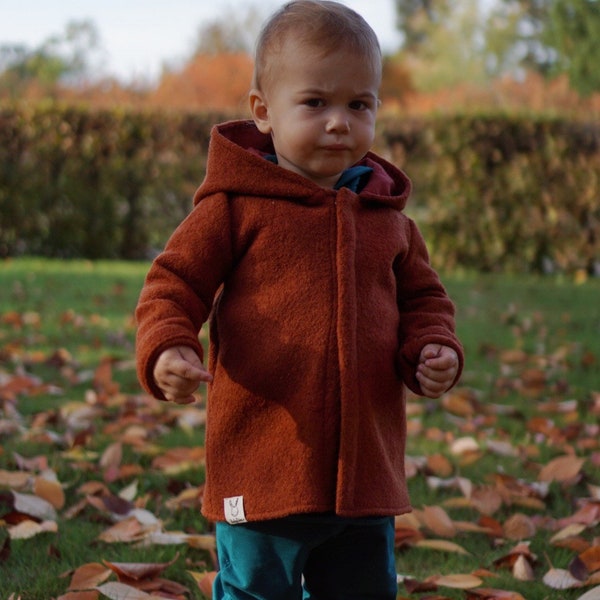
(260, 110)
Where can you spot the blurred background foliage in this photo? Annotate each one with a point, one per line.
(492, 107)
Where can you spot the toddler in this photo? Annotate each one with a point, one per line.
(322, 306)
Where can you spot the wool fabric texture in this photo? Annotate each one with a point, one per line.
(319, 303)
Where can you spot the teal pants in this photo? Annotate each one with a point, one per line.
(307, 557)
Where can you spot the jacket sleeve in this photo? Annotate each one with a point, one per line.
(426, 311)
(180, 286)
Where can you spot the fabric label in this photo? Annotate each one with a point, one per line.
(234, 510)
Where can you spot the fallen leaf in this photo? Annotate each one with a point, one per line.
(522, 569)
(437, 520)
(204, 581)
(28, 529)
(560, 579)
(519, 527)
(89, 576)
(120, 591)
(442, 545)
(563, 468)
(492, 594)
(593, 594)
(458, 581)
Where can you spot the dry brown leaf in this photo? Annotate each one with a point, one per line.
(571, 530)
(17, 480)
(112, 456)
(519, 527)
(522, 569)
(458, 581)
(49, 490)
(593, 594)
(128, 530)
(591, 558)
(84, 595)
(120, 591)
(560, 579)
(563, 468)
(442, 545)
(492, 594)
(436, 519)
(89, 576)
(28, 529)
(138, 571)
(486, 499)
(464, 445)
(509, 560)
(439, 465)
(33, 506)
(204, 581)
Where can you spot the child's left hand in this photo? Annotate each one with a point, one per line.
(437, 369)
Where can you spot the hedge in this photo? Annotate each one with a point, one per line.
(491, 193)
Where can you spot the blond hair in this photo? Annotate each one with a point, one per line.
(325, 25)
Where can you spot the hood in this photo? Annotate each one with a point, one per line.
(236, 166)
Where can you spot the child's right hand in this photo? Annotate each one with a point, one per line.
(178, 373)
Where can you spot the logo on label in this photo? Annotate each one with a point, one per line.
(234, 510)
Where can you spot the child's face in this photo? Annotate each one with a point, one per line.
(320, 111)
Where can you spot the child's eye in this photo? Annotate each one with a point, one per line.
(359, 105)
(314, 102)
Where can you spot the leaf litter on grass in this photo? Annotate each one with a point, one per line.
(556, 453)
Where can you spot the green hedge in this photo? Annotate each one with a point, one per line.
(508, 193)
(96, 184)
(492, 193)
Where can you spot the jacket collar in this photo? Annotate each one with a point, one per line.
(236, 165)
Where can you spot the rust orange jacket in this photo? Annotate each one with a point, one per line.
(320, 302)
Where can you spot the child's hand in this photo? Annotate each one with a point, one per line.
(437, 370)
(178, 373)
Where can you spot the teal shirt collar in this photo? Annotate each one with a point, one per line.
(355, 178)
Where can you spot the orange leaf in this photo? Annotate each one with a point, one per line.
(204, 581)
(89, 576)
(49, 490)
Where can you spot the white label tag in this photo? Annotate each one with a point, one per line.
(234, 510)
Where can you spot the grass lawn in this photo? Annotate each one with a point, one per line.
(71, 408)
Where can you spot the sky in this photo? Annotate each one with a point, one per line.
(138, 37)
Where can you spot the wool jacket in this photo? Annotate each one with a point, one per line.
(320, 302)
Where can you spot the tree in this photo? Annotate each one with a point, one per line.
(418, 19)
(60, 59)
(550, 37)
(232, 33)
(443, 42)
(573, 34)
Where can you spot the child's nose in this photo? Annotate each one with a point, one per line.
(338, 121)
